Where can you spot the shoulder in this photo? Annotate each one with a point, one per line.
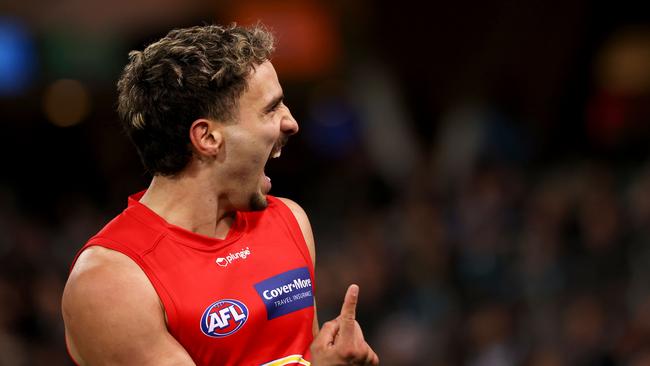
(295, 208)
(109, 307)
(101, 269)
(97, 265)
(303, 221)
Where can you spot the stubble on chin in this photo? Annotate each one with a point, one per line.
(258, 202)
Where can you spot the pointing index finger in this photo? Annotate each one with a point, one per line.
(349, 308)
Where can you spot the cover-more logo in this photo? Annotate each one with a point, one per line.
(225, 261)
(287, 292)
(223, 318)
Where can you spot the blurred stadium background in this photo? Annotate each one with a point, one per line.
(479, 168)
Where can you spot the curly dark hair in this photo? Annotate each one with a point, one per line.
(191, 73)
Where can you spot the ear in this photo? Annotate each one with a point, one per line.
(206, 137)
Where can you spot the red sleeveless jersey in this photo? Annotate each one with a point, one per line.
(244, 300)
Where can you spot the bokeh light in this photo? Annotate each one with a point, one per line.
(17, 58)
(66, 102)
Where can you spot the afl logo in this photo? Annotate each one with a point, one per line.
(223, 318)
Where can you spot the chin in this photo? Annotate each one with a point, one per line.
(258, 202)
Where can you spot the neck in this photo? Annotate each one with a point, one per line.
(189, 202)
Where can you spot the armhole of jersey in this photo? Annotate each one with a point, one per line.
(169, 307)
(296, 232)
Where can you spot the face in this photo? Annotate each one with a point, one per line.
(263, 126)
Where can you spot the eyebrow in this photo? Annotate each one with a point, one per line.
(274, 103)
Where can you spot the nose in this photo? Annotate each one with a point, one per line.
(289, 124)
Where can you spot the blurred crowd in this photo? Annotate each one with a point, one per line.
(500, 265)
(497, 263)
(507, 267)
(482, 172)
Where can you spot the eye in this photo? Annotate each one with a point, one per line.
(275, 106)
(277, 103)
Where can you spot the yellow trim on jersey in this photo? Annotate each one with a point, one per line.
(288, 360)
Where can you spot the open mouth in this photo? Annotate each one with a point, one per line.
(277, 148)
(275, 153)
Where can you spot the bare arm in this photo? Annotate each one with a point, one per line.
(307, 233)
(113, 315)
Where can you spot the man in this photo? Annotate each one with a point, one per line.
(204, 268)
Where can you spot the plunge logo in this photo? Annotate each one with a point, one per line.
(287, 292)
(225, 261)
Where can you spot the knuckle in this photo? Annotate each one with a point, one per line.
(329, 323)
(351, 353)
(348, 354)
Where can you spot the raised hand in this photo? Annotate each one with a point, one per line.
(340, 341)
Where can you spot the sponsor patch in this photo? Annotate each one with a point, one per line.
(287, 292)
(223, 318)
(228, 259)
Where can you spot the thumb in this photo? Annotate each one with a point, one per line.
(327, 334)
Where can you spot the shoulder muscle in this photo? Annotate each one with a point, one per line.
(112, 314)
